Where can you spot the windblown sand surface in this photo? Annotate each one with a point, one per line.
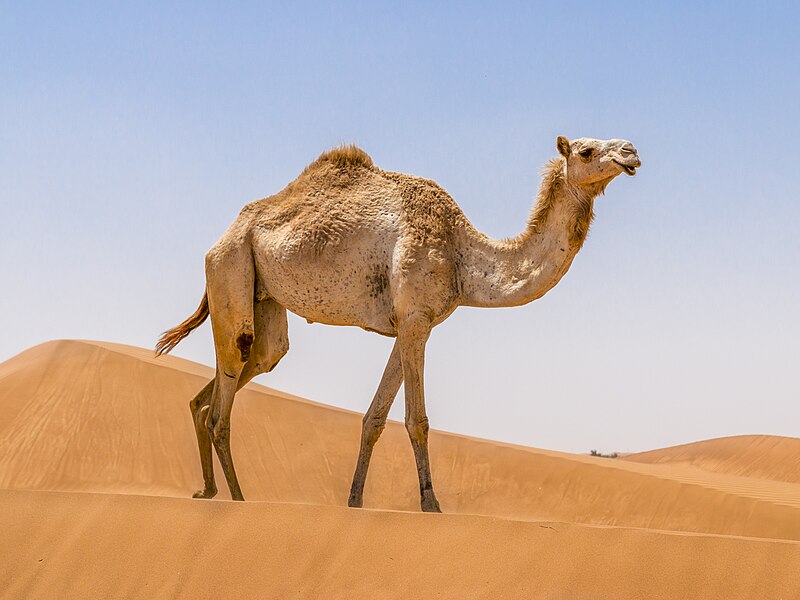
(760, 456)
(98, 460)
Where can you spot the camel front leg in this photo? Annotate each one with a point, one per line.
(374, 422)
(199, 407)
(412, 338)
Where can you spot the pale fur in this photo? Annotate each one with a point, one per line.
(347, 243)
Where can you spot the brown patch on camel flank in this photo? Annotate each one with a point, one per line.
(378, 280)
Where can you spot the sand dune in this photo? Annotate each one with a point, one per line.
(105, 426)
(761, 456)
(146, 547)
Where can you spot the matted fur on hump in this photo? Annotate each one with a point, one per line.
(346, 155)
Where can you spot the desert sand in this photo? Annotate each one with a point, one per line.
(98, 461)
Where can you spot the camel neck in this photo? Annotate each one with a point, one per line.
(498, 273)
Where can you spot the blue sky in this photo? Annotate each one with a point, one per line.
(132, 133)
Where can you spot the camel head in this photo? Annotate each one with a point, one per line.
(591, 162)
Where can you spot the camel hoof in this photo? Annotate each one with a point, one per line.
(204, 494)
(430, 504)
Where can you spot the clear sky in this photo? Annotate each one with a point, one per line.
(132, 133)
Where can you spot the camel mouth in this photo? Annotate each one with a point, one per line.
(629, 170)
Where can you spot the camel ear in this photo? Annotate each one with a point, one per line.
(562, 144)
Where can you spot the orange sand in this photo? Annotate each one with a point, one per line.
(761, 456)
(98, 460)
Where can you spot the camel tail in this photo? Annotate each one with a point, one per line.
(172, 337)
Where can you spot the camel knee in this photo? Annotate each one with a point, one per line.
(199, 411)
(198, 402)
(371, 429)
(418, 429)
(203, 398)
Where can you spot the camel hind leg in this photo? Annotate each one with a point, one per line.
(249, 337)
(199, 407)
(270, 345)
(230, 288)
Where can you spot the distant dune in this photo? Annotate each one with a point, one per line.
(761, 456)
(98, 461)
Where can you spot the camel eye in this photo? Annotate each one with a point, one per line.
(587, 153)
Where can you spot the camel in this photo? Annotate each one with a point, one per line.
(347, 243)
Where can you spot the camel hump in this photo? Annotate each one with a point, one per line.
(345, 156)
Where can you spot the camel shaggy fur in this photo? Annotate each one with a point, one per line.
(347, 243)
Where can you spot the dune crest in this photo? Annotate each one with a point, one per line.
(761, 456)
(108, 418)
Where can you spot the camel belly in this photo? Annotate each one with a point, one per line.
(343, 284)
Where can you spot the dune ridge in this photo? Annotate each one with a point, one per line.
(771, 457)
(98, 417)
